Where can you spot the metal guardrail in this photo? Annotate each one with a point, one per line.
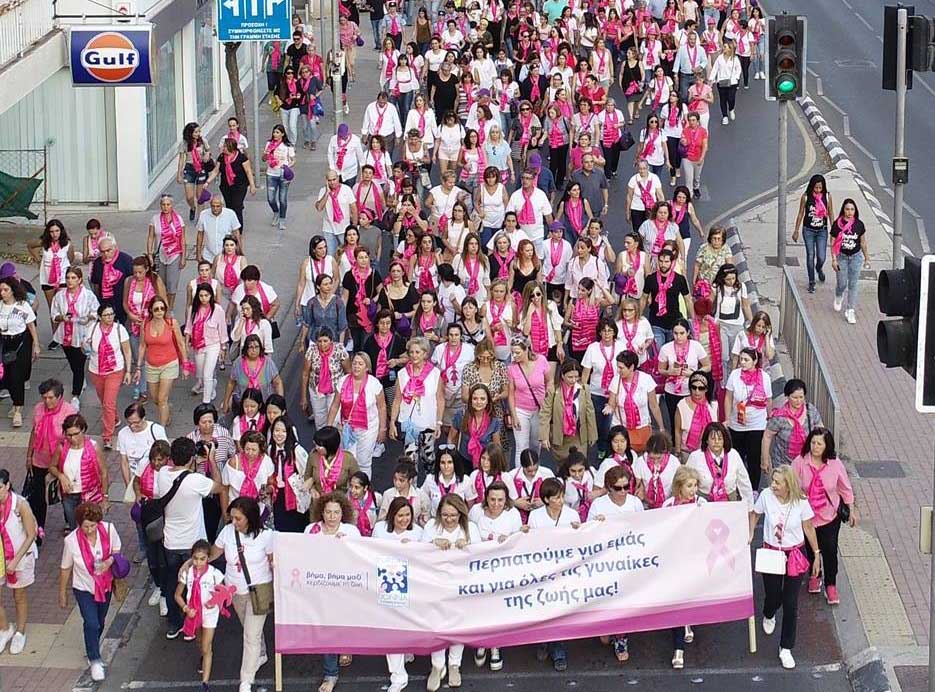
(800, 339)
(22, 23)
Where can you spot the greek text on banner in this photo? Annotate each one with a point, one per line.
(685, 565)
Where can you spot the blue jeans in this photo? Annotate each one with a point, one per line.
(333, 241)
(557, 651)
(660, 170)
(849, 267)
(403, 101)
(603, 423)
(375, 25)
(329, 666)
(310, 131)
(277, 194)
(662, 336)
(93, 614)
(816, 249)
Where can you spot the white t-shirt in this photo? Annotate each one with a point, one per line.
(641, 471)
(345, 200)
(609, 509)
(348, 530)
(735, 474)
(509, 522)
(453, 385)
(644, 333)
(540, 206)
(209, 580)
(185, 519)
(789, 516)
(446, 293)
(268, 291)
(755, 415)
(431, 531)
(234, 478)
(71, 556)
(729, 308)
(381, 531)
(118, 335)
(422, 411)
(15, 317)
(653, 183)
(540, 519)
(644, 385)
(433, 493)
(256, 550)
(696, 352)
(606, 465)
(214, 229)
(72, 467)
(526, 486)
(596, 358)
(372, 389)
(135, 446)
(573, 497)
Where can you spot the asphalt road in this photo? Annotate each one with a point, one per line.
(845, 56)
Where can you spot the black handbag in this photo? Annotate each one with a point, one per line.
(626, 140)
(843, 511)
(152, 512)
(274, 329)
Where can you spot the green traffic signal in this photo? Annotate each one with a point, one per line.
(785, 85)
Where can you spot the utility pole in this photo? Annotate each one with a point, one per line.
(783, 182)
(255, 64)
(899, 181)
(336, 78)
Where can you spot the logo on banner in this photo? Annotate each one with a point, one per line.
(393, 577)
(110, 57)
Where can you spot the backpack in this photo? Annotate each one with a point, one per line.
(152, 512)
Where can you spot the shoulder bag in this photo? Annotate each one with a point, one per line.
(531, 391)
(152, 512)
(261, 595)
(843, 511)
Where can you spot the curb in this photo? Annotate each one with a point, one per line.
(840, 159)
(867, 672)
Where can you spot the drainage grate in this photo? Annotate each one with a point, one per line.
(773, 261)
(884, 468)
(868, 275)
(119, 626)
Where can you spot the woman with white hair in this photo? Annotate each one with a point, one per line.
(359, 402)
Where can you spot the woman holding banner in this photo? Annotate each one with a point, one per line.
(787, 525)
(450, 528)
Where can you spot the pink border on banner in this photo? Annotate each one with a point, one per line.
(313, 639)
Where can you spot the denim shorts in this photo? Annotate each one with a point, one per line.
(191, 177)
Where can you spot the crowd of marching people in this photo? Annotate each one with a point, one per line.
(465, 321)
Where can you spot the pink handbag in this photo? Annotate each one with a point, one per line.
(796, 562)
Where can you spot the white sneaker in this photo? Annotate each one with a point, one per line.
(261, 661)
(785, 655)
(4, 393)
(769, 625)
(838, 302)
(678, 659)
(198, 388)
(5, 637)
(733, 115)
(435, 679)
(275, 219)
(689, 634)
(347, 109)
(18, 643)
(850, 316)
(379, 450)
(163, 607)
(76, 403)
(724, 120)
(282, 224)
(97, 671)
(155, 597)
(397, 688)
(409, 658)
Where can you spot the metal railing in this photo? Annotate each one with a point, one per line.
(808, 364)
(22, 23)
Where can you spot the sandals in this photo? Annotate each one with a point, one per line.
(326, 686)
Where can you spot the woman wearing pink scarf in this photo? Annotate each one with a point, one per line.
(81, 470)
(361, 405)
(788, 426)
(165, 246)
(360, 286)
(721, 474)
(206, 330)
(477, 427)
(748, 402)
(567, 417)
(250, 473)
(194, 165)
(849, 254)
(54, 255)
(812, 222)
(87, 556)
(18, 536)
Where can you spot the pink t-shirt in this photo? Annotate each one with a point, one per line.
(696, 98)
(837, 488)
(524, 397)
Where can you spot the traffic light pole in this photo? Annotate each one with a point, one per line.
(899, 152)
(337, 82)
(783, 182)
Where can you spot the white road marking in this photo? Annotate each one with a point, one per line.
(864, 22)
(881, 181)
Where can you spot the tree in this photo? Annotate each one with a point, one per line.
(233, 75)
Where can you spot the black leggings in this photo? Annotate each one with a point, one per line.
(745, 69)
(672, 403)
(611, 159)
(36, 495)
(727, 98)
(76, 361)
(827, 536)
(233, 200)
(782, 591)
(16, 373)
(637, 217)
(675, 161)
(558, 164)
(747, 443)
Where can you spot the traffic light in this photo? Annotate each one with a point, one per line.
(925, 358)
(898, 296)
(786, 51)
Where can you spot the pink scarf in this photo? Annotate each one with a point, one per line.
(426, 264)
(472, 265)
(527, 214)
(524, 491)
(47, 434)
(191, 624)
(753, 379)
(325, 381)
(655, 493)
(574, 212)
(377, 207)
(141, 310)
(198, 327)
(196, 158)
(504, 271)
(475, 432)
(569, 414)
(630, 289)
(253, 377)
(496, 323)
(819, 207)
(646, 194)
(450, 371)
(611, 132)
(650, 146)
(480, 484)
(526, 125)
(106, 358)
(381, 113)
(701, 416)
(817, 495)
(660, 240)
(328, 476)
(68, 326)
(110, 276)
(584, 504)
(250, 470)
(275, 56)
(9, 551)
(608, 373)
(269, 154)
(718, 492)
(231, 278)
(415, 385)
(244, 424)
(586, 316)
(631, 411)
(362, 510)
(171, 234)
(681, 358)
(538, 335)
(555, 255)
(102, 581)
(342, 153)
(799, 433)
(354, 411)
(428, 321)
(55, 271)
(383, 342)
(229, 176)
(148, 481)
(844, 227)
(664, 284)
(361, 276)
(336, 212)
(285, 467)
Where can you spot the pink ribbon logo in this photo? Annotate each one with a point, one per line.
(222, 597)
(296, 582)
(717, 534)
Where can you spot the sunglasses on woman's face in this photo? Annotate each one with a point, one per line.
(699, 387)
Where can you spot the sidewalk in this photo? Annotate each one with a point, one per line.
(887, 446)
(54, 657)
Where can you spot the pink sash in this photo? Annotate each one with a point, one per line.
(701, 416)
(354, 410)
(718, 492)
(102, 581)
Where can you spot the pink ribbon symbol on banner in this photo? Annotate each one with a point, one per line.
(717, 534)
(221, 597)
(296, 582)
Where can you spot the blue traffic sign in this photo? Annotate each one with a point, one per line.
(254, 20)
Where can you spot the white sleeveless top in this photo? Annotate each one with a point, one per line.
(46, 267)
(494, 208)
(14, 526)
